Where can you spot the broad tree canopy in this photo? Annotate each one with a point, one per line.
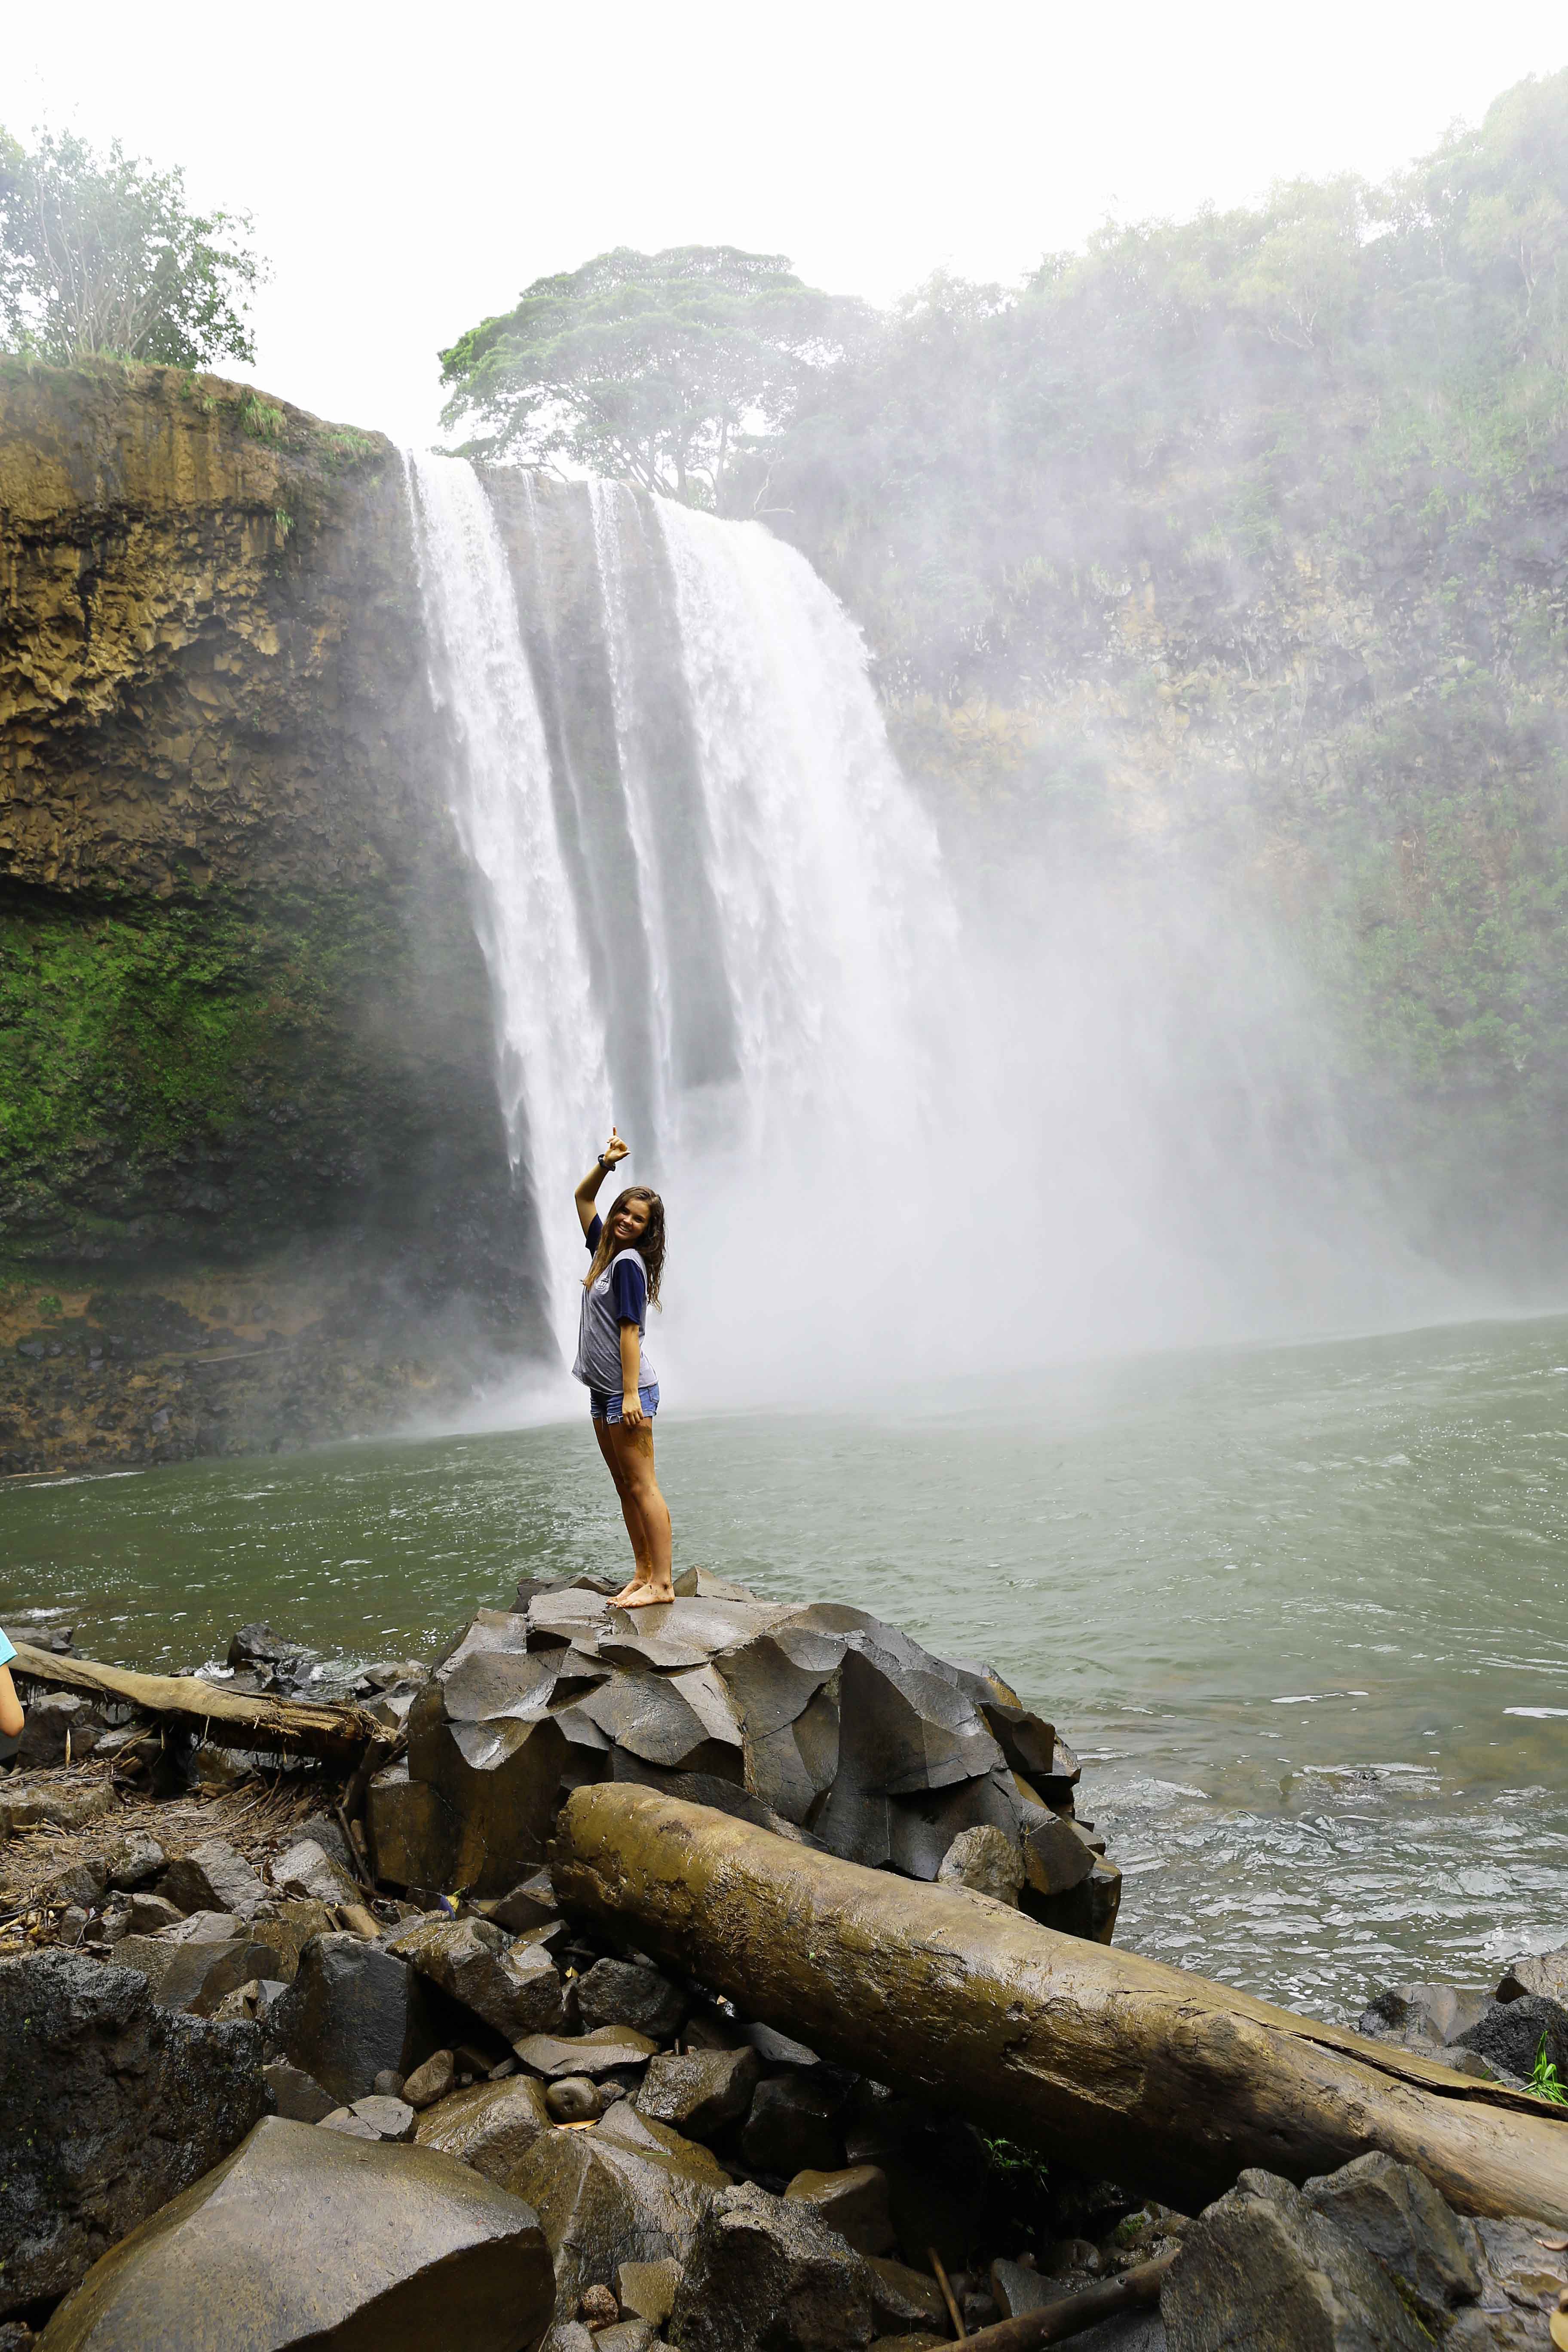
(651, 367)
(100, 255)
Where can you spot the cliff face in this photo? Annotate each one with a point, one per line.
(242, 1012)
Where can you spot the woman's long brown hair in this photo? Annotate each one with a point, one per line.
(648, 1246)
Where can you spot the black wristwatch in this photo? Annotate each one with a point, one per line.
(604, 1163)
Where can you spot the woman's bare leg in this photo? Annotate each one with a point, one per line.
(634, 1452)
(641, 1554)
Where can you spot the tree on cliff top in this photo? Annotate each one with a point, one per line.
(649, 366)
(101, 256)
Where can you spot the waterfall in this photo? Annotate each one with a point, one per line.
(551, 1076)
(710, 907)
(713, 911)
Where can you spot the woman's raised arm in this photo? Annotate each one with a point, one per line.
(613, 1153)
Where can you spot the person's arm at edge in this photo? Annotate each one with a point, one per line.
(613, 1153)
(631, 1376)
(11, 1715)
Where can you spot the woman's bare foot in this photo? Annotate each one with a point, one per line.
(643, 1596)
(636, 1584)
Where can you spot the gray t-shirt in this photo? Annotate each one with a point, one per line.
(618, 1294)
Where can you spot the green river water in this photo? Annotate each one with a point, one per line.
(1300, 1609)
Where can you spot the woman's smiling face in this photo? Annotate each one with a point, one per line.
(630, 1222)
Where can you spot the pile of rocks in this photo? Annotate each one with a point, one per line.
(1506, 2036)
(234, 2064)
(592, 2155)
(820, 1722)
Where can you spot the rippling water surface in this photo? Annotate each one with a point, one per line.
(1302, 1609)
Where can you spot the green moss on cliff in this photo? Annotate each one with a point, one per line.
(212, 1071)
(164, 1018)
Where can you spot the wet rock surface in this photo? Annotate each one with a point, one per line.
(1516, 2036)
(516, 1989)
(351, 2012)
(434, 2246)
(1261, 2267)
(1542, 1973)
(821, 1722)
(607, 2197)
(111, 2107)
(694, 2170)
(766, 2276)
(700, 2092)
(491, 2126)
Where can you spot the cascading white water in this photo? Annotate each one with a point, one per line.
(826, 875)
(714, 911)
(790, 910)
(554, 1089)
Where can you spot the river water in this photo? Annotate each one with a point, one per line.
(1300, 1609)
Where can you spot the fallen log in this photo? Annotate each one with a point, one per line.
(1140, 2073)
(1054, 2323)
(230, 1719)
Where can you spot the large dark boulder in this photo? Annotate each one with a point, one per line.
(310, 2237)
(1422, 2016)
(491, 2126)
(1263, 2271)
(697, 2091)
(1514, 2033)
(110, 2107)
(412, 1830)
(624, 2190)
(483, 1736)
(820, 1723)
(352, 2013)
(514, 1989)
(766, 2275)
(1395, 2214)
(1542, 1973)
(623, 1992)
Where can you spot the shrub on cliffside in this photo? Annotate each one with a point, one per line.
(101, 256)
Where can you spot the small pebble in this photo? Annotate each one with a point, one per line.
(573, 2100)
(599, 2308)
(430, 2081)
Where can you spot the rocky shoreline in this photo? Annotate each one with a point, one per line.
(257, 2009)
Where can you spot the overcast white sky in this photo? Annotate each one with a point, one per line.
(410, 172)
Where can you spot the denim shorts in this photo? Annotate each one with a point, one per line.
(604, 1405)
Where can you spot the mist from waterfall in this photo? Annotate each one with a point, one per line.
(896, 1140)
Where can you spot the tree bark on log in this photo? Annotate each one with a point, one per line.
(1140, 2073)
(231, 1718)
(1054, 2323)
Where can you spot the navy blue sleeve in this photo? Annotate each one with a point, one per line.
(628, 1288)
(595, 1230)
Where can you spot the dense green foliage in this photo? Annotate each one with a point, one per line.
(100, 255)
(239, 1060)
(163, 1017)
(649, 366)
(1254, 529)
(1196, 392)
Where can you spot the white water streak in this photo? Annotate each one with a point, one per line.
(825, 870)
(554, 1090)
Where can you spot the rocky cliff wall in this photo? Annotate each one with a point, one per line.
(242, 1012)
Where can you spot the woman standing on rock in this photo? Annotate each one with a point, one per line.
(626, 1259)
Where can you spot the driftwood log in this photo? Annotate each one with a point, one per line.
(1138, 2072)
(1053, 2322)
(231, 1718)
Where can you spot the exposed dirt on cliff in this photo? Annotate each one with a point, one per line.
(208, 1361)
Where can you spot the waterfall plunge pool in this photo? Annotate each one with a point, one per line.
(1300, 1609)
